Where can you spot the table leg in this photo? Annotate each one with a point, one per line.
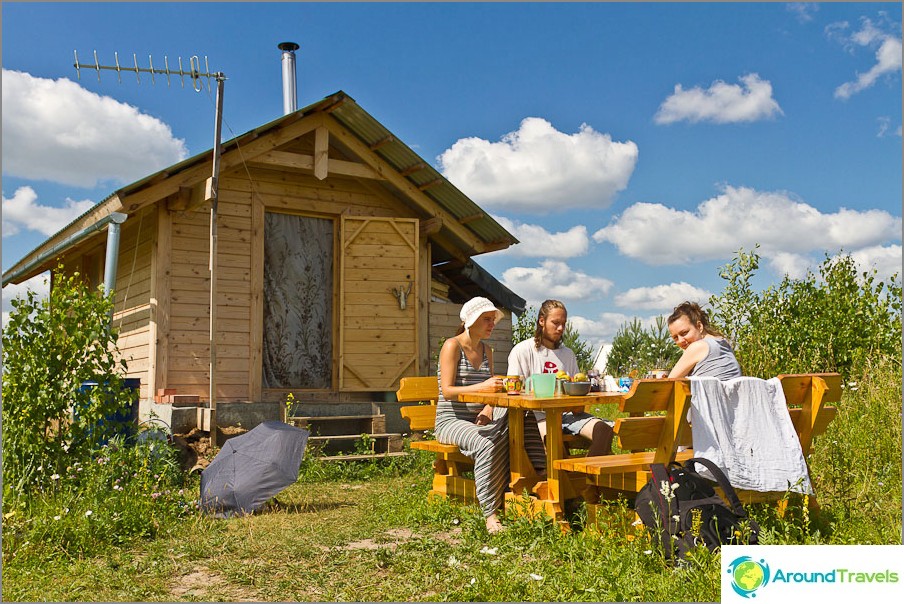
(523, 475)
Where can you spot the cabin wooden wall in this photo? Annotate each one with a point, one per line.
(444, 323)
(132, 310)
(241, 209)
(132, 289)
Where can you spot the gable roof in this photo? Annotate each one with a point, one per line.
(460, 227)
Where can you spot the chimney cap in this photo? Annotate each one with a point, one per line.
(290, 46)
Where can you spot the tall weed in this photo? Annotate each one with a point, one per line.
(120, 493)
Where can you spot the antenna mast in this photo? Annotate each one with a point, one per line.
(211, 187)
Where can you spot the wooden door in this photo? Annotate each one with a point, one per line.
(377, 338)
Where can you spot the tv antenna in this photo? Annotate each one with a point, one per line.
(195, 73)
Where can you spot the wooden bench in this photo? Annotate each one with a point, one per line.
(450, 465)
(656, 425)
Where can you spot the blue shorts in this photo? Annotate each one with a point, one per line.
(572, 423)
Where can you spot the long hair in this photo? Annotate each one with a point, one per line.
(545, 308)
(695, 315)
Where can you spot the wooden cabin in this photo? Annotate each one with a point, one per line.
(343, 260)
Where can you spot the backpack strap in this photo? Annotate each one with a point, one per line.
(723, 481)
(661, 475)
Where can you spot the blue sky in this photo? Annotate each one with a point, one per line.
(631, 147)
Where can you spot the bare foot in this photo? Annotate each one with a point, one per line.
(493, 524)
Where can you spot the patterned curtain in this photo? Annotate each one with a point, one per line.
(298, 295)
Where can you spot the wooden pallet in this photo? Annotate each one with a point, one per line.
(339, 437)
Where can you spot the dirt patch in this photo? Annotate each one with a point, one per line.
(398, 536)
(202, 583)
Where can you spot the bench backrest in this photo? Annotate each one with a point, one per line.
(658, 411)
(411, 389)
(670, 401)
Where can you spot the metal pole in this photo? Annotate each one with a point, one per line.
(288, 76)
(213, 195)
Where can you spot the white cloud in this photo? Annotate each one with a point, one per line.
(56, 130)
(537, 242)
(40, 284)
(22, 212)
(661, 297)
(794, 266)
(540, 170)
(803, 10)
(722, 103)
(742, 217)
(886, 129)
(888, 54)
(554, 279)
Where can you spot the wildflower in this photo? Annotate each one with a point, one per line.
(473, 581)
(56, 517)
(666, 490)
(88, 513)
(155, 495)
(647, 551)
(453, 561)
(536, 577)
(456, 521)
(55, 477)
(116, 487)
(489, 551)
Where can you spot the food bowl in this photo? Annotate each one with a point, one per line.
(576, 388)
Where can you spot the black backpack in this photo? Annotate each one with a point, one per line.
(694, 514)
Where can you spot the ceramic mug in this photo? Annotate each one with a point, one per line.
(513, 384)
(542, 384)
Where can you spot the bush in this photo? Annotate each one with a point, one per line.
(51, 347)
(826, 322)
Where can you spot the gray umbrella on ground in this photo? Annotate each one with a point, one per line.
(252, 468)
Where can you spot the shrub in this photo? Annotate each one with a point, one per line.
(51, 347)
(825, 322)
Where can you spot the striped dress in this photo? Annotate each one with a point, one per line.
(487, 445)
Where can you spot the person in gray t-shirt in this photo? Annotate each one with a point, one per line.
(706, 351)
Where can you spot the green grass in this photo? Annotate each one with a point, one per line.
(366, 532)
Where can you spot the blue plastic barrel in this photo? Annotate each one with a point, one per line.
(125, 419)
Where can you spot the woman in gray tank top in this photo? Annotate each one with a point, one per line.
(706, 351)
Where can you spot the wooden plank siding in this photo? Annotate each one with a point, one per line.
(444, 322)
(188, 338)
(241, 208)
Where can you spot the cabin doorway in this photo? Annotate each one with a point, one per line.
(298, 302)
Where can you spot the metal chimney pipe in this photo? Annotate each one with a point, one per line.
(288, 77)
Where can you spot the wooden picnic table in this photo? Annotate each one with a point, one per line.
(550, 494)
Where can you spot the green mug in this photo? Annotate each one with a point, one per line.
(542, 384)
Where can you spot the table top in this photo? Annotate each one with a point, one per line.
(529, 401)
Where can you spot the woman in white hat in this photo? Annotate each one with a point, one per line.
(479, 431)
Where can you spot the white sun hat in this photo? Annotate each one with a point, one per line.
(475, 307)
